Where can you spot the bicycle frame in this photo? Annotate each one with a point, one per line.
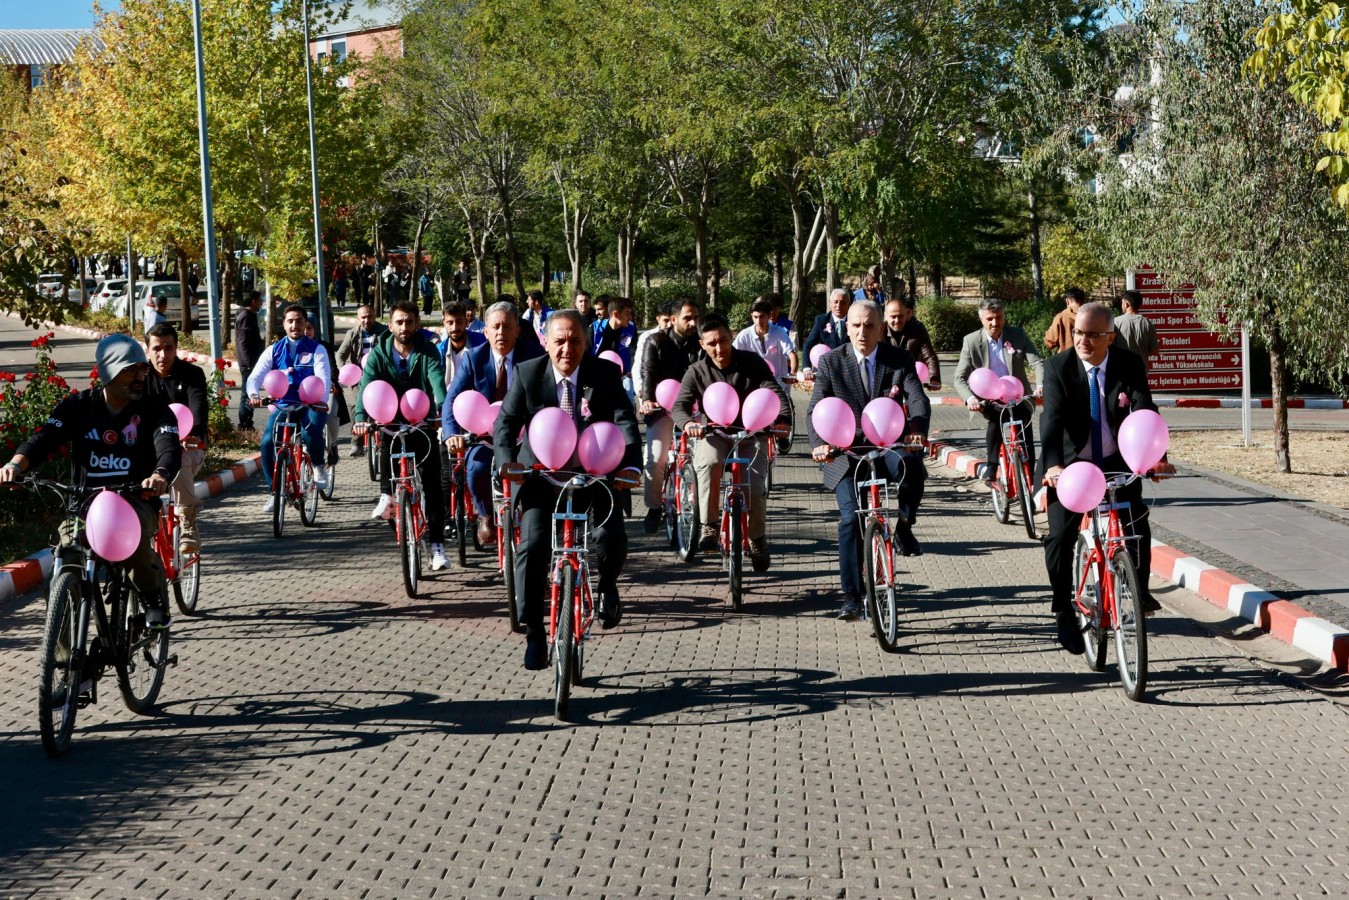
(574, 549)
(1106, 533)
(676, 457)
(735, 483)
(1012, 431)
(287, 440)
(872, 495)
(503, 503)
(459, 492)
(406, 478)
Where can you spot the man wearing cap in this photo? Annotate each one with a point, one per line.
(178, 381)
(119, 436)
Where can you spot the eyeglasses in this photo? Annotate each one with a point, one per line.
(1092, 335)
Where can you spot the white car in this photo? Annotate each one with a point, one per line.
(49, 284)
(110, 295)
(147, 293)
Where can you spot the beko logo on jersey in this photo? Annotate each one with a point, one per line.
(116, 463)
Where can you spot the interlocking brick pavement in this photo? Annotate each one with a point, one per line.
(326, 736)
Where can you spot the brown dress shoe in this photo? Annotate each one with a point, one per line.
(487, 533)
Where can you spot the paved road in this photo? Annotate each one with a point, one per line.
(325, 736)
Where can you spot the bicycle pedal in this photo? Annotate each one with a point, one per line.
(172, 661)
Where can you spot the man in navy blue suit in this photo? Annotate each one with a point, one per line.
(830, 328)
(488, 369)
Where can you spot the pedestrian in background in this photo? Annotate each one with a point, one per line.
(1133, 331)
(247, 348)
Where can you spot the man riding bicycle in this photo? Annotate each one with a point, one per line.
(667, 355)
(488, 369)
(746, 371)
(406, 359)
(298, 357)
(119, 436)
(176, 380)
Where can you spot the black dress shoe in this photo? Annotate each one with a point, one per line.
(536, 650)
(611, 609)
(908, 544)
(850, 611)
(1150, 604)
(1070, 635)
(651, 524)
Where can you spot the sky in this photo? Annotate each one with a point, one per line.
(49, 13)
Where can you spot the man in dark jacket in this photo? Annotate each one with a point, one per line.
(406, 359)
(666, 355)
(747, 372)
(179, 381)
(904, 331)
(590, 390)
(247, 348)
(830, 328)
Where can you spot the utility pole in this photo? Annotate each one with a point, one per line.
(314, 184)
(207, 211)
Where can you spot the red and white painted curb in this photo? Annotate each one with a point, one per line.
(94, 335)
(20, 577)
(1206, 402)
(1318, 638)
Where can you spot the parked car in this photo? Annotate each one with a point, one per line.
(149, 292)
(110, 295)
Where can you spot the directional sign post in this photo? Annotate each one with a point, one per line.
(1190, 357)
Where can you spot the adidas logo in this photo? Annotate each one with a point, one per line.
(93, 435)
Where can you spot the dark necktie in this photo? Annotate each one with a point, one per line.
(568, 403)
(501, 380)
(1096, 452)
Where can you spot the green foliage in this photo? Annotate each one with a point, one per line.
(1074, 256)
(1033, 317)
(947, 321)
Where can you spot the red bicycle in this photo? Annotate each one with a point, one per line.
(1012, 480)
(1107, 597)
(680, 498)
(183, 570)
(409, 502)
(734, 529)
(293, 481)
(463, 512)
(508, 537)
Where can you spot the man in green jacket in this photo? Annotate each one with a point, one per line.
(406, 359)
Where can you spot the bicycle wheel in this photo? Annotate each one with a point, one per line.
(309, 492)
(1087, 605)
(279, 496)
(735, 559)
(563, 652)
(667, 495)
(1002, 507)
(687, 524)
(63, 646)
(372, 457)
(879, 568)
(1026, 497)
(1131, 631)
(187, 586)
(460, 495)
(141, 652)
(409, 548)
(327, 492)
(508, 574)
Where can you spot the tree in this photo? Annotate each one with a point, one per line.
(1222, 192)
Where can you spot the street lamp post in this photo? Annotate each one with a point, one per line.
(207, 212)
(314, 182)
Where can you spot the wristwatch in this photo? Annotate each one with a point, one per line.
(162, 472)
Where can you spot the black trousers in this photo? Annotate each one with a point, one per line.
(911, 474)
(245, 408)
(423, 444)
(1025, 411)
(1062, 541)
(537, 500)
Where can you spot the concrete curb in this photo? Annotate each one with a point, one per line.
(96, 335)
(20, 577)
(1206, 402)
(1318, 638)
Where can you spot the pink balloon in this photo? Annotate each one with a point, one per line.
(469, 408)
(1143, 439)
(490, 420)
(1013, 391)
(311, 390)
(667, 392)
(721, 403)
(111, 527)
(816, 352)
(414, 405)
(349, 375)
(380, 401)
(276, 384)
(185, 419)
(882, 421)
(761, 409)
(552, 437)
(984, 383)
(924, 374)
(1081, 487)
(613, 357)
(600, 448)
(834, 422)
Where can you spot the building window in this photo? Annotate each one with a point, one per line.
(37, 75)
(337, 49)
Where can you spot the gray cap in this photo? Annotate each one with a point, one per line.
(114, 353)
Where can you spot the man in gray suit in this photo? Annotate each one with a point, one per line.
(857, 373)
(1007, 351)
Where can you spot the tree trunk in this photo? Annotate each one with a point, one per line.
(227, 288)
(414, 288)
(546, 276)
(188, 302)
(714, 293)
(937, 278)
(889, 268)
(498, 284)
(831, 279)
(913, 281)
(1278, 378)
(799, 284)
(512, 253)
(777, 271)
(1037, 266)
(646, 274)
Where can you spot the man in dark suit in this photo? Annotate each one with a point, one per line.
(1074, 428)
(488, 369)
(591, 390)
(858, 373)
(830, 327)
